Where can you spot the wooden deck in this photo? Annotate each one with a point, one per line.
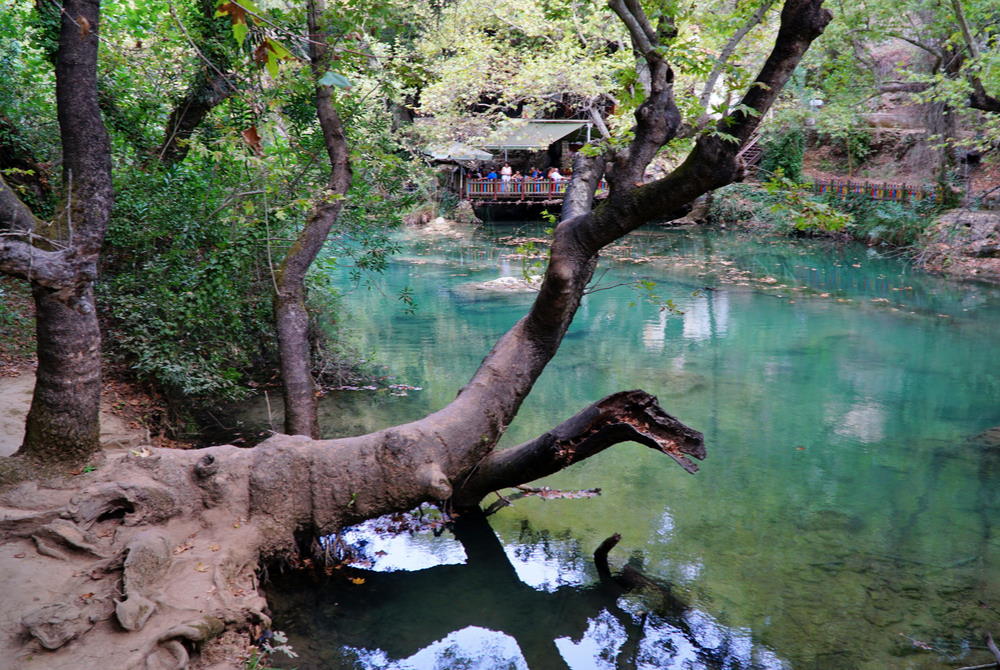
(527, 190)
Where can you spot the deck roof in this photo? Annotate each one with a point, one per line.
(533, 135)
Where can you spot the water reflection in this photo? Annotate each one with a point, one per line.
(842, 512)
(532, 605)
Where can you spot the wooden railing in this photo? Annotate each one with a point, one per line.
(526, 189)
(883, 191)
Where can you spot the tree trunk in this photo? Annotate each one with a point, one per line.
(291, 316)
(62, 422)
(61, 264)
(212, 85)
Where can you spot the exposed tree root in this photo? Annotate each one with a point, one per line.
(146, 561)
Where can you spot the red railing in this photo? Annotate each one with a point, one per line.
(526, 189)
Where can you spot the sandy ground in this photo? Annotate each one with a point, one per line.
(15, 397)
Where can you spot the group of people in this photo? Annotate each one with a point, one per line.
(508, 174)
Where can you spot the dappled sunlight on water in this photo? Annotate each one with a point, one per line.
(844, 518)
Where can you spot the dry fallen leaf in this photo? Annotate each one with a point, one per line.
(200, 567)
(180, 549)
(214, 547)
(357, 580)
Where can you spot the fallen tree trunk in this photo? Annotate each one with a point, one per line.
(155, 553)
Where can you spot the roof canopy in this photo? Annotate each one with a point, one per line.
(456, 151)
(533, 135)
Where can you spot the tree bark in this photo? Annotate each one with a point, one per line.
(61, 262)
(62, 422)
(291, 315)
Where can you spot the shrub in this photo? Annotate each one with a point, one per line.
(184, 292)
(784, 152)
(875, 221)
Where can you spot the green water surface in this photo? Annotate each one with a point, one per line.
(844, 518)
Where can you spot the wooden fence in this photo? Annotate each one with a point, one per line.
(903, 193)
(884, 191)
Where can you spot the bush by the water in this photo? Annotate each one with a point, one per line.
(869, 221)
(876, 221)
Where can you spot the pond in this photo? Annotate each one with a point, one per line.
(845, 517)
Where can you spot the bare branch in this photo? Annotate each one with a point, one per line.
(629, 416)
(51, 269)
(642, 33)
(657, 119)
(903, 87)
(727, 52)
(14, 214)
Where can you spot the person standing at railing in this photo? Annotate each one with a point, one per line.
(535, 173)
(505, 174)
(490, 185)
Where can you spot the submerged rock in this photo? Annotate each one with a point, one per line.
(503, 285)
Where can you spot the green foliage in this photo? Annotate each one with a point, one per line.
(744, 203)
(532, 263)
(896, 223)
(804, 212)
(788, 208)
(784, 151)
(186, 288)
(277, 644)
(26, 94)
(647, 289)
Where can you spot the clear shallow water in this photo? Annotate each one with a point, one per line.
(844, 517)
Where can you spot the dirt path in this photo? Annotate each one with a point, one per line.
(15, 397)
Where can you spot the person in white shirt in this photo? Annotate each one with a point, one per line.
(505, 174)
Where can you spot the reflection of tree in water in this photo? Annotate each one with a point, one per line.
(393, 616)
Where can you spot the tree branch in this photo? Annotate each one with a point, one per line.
(629, 416)
(727, 51)
(657, 119)
(903, 87)
(14, 214)
(211, 86)
(51, 269)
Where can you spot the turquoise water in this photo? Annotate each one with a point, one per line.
(844, 517)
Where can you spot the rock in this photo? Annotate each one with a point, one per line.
(964, 243)
(419, 217)
(56, 624)
(465, 213)
(503, 285)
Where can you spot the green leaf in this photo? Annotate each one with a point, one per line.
(240, 31)
(332, 78)
(279, 50)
